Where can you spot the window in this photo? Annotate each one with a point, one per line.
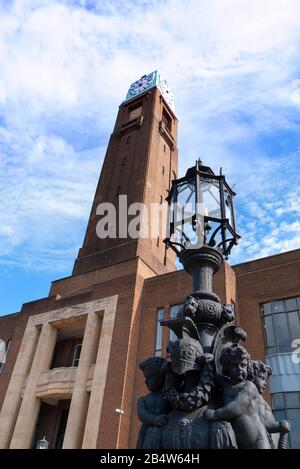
(173, 314)
(281, 321)
(4, 347)
(76, 355)
(163, 170)
(129, 139)
(135, 112)
(167, 119)
(159, 332)
(286, 406)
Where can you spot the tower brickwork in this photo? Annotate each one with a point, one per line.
(140, 162)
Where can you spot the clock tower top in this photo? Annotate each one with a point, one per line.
(146, 82)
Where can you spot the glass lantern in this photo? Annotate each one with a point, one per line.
(201, 212)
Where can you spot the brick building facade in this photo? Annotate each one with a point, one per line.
(71, 369)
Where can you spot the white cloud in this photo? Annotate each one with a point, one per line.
(234, 68)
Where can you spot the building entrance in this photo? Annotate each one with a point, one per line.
(61, 429)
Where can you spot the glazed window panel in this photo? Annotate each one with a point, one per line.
(287, 407)
(270, 332)
(281, 321)
(292, 400)
(167, 119)
(293, 415)
(4, 347)
(294, 324)
(280, 415)
(159, 332)
(291, 304)
(277, 306)
(267, 309)
(283, 338)
(76, 356)
(278, 400)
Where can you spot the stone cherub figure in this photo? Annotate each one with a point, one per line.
(241, 401)
(153, 408)
(259, 373)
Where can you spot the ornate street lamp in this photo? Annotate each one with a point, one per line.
(203, 389)
(201, 224)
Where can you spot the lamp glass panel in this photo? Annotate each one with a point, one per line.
(185, 210)
(228, 207)
(186, 197)
(210, 195)
(185, 234)
(213, 230)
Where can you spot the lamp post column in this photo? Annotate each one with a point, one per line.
(202, 264)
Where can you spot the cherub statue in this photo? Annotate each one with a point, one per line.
(153, 409)
(259, 373)
(241, 399)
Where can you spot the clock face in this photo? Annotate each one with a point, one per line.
(166, 92)
(141, 85)
(149, 81)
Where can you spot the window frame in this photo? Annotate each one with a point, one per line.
(74, 358)
(7, 346)
(159, 332)
(167, 119)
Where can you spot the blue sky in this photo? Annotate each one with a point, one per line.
(65, 66)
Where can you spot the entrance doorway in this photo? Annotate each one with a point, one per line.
(52, 422)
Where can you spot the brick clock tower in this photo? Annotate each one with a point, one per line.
(98, 308)
(140, 162)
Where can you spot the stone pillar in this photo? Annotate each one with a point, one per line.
(99, 380)
(80, 398)
(29, 410)
(12, 399)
